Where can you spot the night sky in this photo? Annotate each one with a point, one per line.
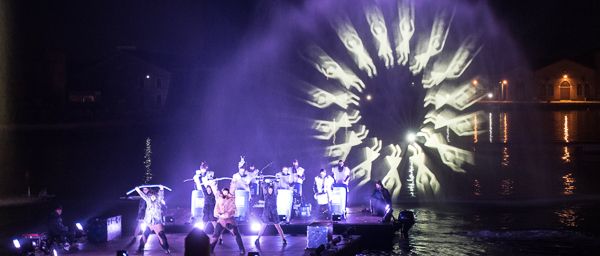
(208, 35)
(206, 31)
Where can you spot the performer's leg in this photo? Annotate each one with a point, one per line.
(216, 234)
(164, 242)
(143, 239)
(280, 231)
(263, 226)
(238, 237)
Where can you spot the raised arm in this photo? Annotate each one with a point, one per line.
(142, 195)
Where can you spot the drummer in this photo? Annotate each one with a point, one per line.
(298, 180)
(322, 188)
(252, 175)
(284, 182)
(240, 180)
(284, 178)
(252, 178)
(204, 177)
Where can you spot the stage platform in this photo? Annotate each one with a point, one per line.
(357, 232)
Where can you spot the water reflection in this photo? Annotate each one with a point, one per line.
(476, 187)
(568, 184)
(566, 157)
(566, 128)
(491, 128)
(504, 127)
(476, 130)
(507, 187)
(568, 217)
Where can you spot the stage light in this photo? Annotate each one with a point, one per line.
(16, 243)
(504, 82)
(411, 137)
(565, 76)
(255, 226)
(336, 217)
(78, 225)
(54, 252)
(147, 76)
(199, 225)
(282, 218)
(122, 253)
(143, 226)
(490, 95)
(369, 97)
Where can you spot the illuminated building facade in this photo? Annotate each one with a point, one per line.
(120, 85)
(566, 80)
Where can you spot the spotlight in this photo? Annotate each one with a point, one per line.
(336, 217)
(147, 76)
(122, 253)
(282, 218)
(490, 95)
(411, 137)
(16, 243)
(369, 97)
(78, 225)
(199, 225)
(255, 226)
(143, 226)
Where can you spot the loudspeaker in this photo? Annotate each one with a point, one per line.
(318, 233)
(104, 229)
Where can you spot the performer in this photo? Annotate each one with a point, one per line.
(208, 212)
(240, 179)
(252, 179)
(381, 200)
(322, 189)
(140, 215)
(341, 175)
(298, 180)
(284, 178)
(204, 177)
(154, 217)
(225, 210)
(57, 231)
(269, 215)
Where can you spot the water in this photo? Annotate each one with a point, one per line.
(549, 229)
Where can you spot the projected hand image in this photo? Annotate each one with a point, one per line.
(341, 151)
(379, 31)
(459, 63)
(406, 27)
(332, 70)
(426, 182)
(329, 128)
(362, 172)
(323, 99)
(439, 33)
(355, 47)
(392, 179)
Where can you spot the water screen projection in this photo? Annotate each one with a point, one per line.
(387, 86)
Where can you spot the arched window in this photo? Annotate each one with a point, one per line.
(565, 84)
(579, 90)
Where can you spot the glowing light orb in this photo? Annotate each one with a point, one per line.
(255, 226)
(411, 137)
